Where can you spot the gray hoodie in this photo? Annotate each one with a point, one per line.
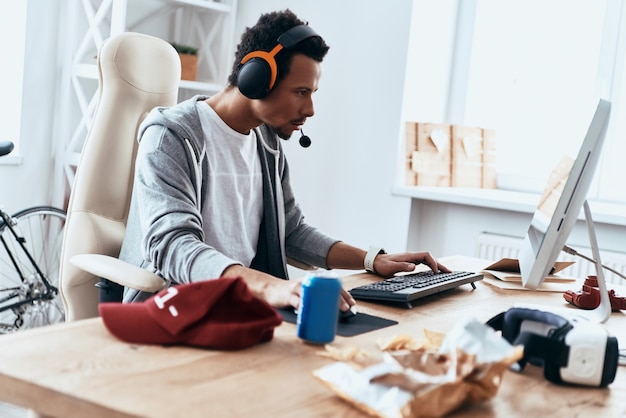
(164, 232)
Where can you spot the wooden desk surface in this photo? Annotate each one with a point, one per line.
(80, 370)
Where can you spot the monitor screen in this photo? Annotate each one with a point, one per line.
(561, 203)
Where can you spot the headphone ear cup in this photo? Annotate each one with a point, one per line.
(254, 77)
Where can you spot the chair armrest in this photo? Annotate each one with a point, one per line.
(119, 271)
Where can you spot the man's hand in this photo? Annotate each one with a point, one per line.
(387, 265)
(278, 292)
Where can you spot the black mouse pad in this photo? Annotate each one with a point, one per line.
(360, 324)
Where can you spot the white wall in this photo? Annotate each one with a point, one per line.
(12, 34)
(344, 180)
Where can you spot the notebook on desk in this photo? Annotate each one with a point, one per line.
(406, 289)
(505, 274)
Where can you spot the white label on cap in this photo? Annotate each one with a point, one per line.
(160, 300)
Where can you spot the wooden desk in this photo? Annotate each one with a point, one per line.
(80, 370)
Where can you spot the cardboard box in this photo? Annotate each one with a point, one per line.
(467, 156)
(428, 154)
(490, 177)
(450, 155)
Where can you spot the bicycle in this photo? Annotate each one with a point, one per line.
(30, 254)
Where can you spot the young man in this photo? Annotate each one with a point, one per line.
(212, 196)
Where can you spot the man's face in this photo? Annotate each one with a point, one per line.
(290, 103)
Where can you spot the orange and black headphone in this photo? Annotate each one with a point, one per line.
(258, 70)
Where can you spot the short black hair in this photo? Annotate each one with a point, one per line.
(263, 36)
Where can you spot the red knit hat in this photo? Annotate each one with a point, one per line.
(220, 314)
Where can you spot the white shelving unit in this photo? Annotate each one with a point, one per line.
(206, 24)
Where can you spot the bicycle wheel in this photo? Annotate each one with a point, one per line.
(25, 300)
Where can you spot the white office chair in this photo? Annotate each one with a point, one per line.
(137, 72)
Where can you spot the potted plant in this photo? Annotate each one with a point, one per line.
(188, 61)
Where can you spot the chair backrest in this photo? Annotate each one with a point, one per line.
(137, 72)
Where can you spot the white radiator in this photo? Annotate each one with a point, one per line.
(494, 247)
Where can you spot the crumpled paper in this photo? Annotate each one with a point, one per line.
(430, 377)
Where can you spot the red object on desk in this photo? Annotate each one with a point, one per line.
(219, 314)
(589, 296)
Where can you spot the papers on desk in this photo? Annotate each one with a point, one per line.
(505, 274)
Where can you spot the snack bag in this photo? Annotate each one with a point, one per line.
(427, 378)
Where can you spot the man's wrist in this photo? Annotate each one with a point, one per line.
(368, 263)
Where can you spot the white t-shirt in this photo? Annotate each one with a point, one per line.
(233, 205)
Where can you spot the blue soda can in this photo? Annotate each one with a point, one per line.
(319, 308)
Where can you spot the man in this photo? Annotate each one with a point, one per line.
(212, 196)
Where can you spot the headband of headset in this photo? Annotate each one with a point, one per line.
(510, 322)
(258, 69)
(550, 349)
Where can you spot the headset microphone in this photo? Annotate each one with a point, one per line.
(305, 141)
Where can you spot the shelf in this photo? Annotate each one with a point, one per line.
(86, 71)
(200, 86)
(204, 4)
(603, 212)
(207, 23)
(90, 71)
(488, 198)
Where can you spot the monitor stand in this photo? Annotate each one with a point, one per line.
(603, 311)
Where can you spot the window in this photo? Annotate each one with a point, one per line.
(12, 46)
(533, 71)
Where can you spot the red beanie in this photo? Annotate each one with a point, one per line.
(220, 314)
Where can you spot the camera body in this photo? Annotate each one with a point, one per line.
(570, 350)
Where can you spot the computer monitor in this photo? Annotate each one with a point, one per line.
(552, 223)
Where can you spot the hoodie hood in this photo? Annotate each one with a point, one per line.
(183, 120)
